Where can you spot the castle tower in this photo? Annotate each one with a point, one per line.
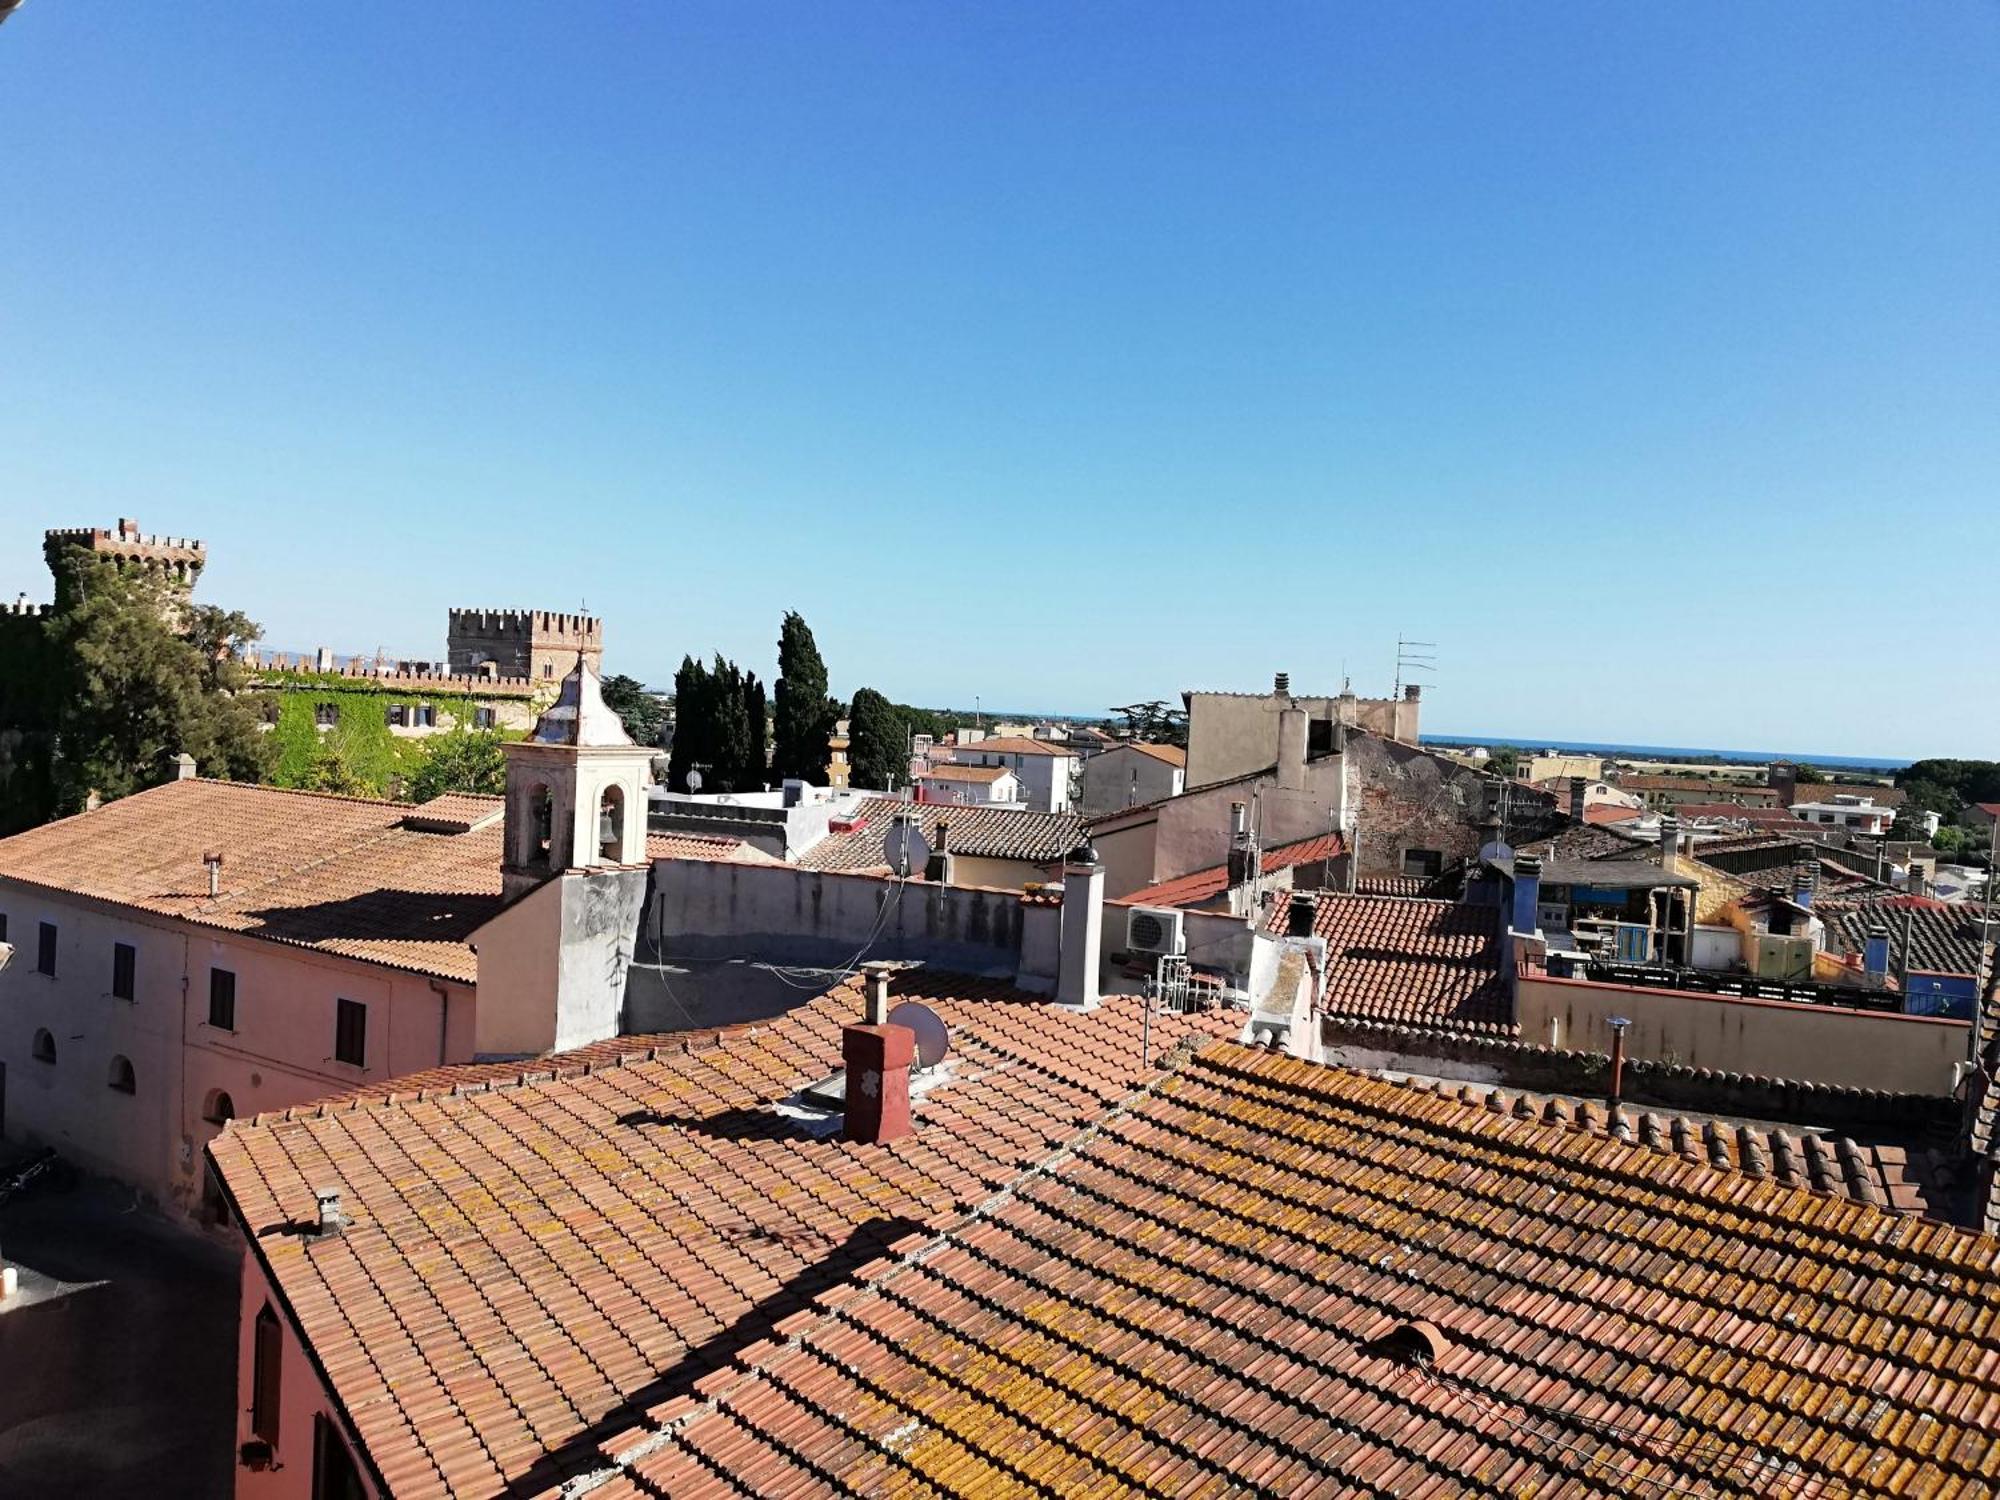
(177, 559)
(537, 644)
(576, 789)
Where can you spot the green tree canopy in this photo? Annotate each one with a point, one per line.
(139, 676)
(878, 743)
(719, 719)
(465, 760)
(644, 716)
(804, 715)
(1155, 722)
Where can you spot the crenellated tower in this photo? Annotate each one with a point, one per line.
(177, 559)
(538, 644)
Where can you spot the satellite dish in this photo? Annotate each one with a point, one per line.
(933, 1036)
(906, 849)
(694, 781)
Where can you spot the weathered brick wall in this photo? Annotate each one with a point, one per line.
(1411, 799)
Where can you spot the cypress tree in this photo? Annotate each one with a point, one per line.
(756, 738)
(878, 741)
(804, 715)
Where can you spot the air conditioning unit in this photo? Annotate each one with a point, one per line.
(1785, 959)
(1154, 929)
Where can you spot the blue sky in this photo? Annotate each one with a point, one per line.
(1646, 358)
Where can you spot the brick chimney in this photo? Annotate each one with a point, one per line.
(877, 1057)
(1577, 788)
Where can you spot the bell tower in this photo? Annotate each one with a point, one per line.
(576, 790)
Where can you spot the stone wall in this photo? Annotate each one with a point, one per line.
(1410, 799)
(538, 644)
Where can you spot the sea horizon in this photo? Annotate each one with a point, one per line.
(1675, 752)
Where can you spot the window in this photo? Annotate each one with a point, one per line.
(541, 824)
(45, 1046)
(424, 716)
(222, 999)
(326, 715)
(45, 950)
(1423, 863)
(483, 717)
(218, 1108)
(267, 1364)
(267, 708)
(350, 1032)
(398, 716)
(548, 669)
(122, 1077)
(3, 927)
(334, 1474)
(124, 964)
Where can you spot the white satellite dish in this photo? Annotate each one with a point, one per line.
(694, 781)
(933, 1036)
(906, 849)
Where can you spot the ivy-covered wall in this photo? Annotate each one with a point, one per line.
(363, 740)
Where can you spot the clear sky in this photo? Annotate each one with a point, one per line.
(1647, 358)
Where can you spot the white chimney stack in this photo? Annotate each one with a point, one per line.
(1292, 749)
(1082, 927)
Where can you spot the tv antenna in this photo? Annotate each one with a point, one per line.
(1413, 656)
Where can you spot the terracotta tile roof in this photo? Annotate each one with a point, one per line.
(991, 832)
(455, 812)
(1588, 841)
(1173, 755)
(706, 846)
(1273, 1278)
(341, 874)
(1392, 885)
(1723, 789)
(540, 1258)
(1015, 745)
(948, 771)
(1205, 885)
(1895, 1175)
(1415, 962)
(1771, 817)
(1941, 939)
(1611, 812)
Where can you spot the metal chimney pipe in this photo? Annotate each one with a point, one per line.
(1617, 1094)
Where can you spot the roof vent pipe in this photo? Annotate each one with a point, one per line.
(1281, 685)
(875, 993)
(330, 1220)
(213, 859)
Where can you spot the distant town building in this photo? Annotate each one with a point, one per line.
(969, 786)
(1232, 734)
(1129, 774)
(1046, 769)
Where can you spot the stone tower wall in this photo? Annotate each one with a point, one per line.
(538, 644)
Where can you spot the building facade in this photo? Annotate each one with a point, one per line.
(1233, 734)
(1127, 775)
(1046, 770)
(537, 644)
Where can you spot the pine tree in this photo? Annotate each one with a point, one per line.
(878, 741)
(804, 715)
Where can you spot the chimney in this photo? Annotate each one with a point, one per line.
(213, 859)
(1082, 927)
(1239, 822)
(1412, 692)
(875, 993)
(1527, 893)
(1807, 881)
(183, 767)
(877, 1057)
(938, 871)
(1914, 883)
(1577, 786)
(329, 1219)
(1281, 685)
(1670, 843)
(1617, 1095)
(1292, 749)
(1301, 915)
(323, 660)
(1875, 951)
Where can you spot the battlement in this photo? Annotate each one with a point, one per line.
(127, 544)
(402, 676)
(22, 609)
(529, 625)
